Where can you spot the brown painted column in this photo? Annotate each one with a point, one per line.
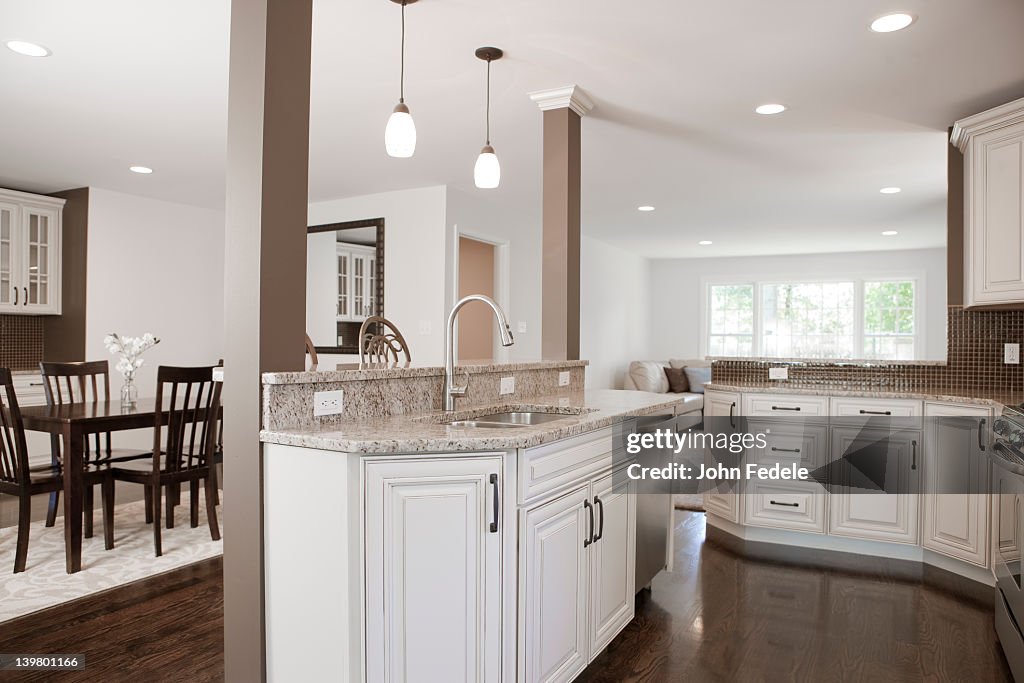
(264, 283)
(560, 273)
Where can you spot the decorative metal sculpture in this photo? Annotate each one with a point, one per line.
(382, 346)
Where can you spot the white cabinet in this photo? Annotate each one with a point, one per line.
(722, 501)
(955, 514)
(30, 257)
(611, 559)
(782, 504)
(433, 569)
(554, 640)
(576, 564)
(357, 282)
(877, 458)
(993, 147)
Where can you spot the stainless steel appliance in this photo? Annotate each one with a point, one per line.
(1007, 455)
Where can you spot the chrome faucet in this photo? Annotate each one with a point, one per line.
(450, 390)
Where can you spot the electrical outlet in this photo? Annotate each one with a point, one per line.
(508, 386)
(218, 374)
(563, 378)
(778, 373)
(521, 328)
(328, 403)
(1011, 354)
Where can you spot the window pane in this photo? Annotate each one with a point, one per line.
(731, 320)
(808, 319)
(889, 325)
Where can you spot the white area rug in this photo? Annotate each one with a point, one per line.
(45, 583)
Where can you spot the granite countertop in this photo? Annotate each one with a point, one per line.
(422, 433)
(345, 372)
(984, 397)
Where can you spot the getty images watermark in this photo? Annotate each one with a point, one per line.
(734, 443)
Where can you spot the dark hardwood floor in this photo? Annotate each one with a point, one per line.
(721, 617)
(161, 630)
(718, 617)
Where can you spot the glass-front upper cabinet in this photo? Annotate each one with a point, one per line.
(357, 282)
(30, 253)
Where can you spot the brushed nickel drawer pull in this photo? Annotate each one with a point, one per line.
(788, 505)
(876, 412)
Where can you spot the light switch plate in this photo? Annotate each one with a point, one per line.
(521, 328)
(1011, 354)
(218, 373)
(508, 386)
(328, 403)
(778, 373)
(425, 327)
(563, 378)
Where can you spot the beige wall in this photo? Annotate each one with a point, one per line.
(476, 322)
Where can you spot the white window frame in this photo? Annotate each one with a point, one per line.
(858, 281)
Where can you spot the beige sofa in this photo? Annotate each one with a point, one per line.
(649, 375)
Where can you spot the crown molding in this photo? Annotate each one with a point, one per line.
(569, 96)
(993, 119)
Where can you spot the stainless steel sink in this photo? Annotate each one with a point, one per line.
(509, 419)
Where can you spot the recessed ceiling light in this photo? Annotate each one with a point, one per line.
(769, 109)
(704, 243)
(892, 22)
(645, 208)
(28, 49)
(889, 233)
(145, 170)
(890, 190)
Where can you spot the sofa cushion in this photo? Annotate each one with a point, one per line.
(677, 382)
(698, 378)
(692, 402)
(648, 376)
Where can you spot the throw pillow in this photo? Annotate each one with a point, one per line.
(677, 381)
(698, 377)
(648, 376)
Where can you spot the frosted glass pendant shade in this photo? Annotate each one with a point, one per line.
(400, 134)
(487, 172)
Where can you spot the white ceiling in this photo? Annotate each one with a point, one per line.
(675, 84)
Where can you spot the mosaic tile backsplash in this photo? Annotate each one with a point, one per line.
(21, 341)
(974, 360)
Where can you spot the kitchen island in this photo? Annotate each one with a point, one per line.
(399, 547)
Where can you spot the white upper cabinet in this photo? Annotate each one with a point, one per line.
(993, 147)
(357, 282)
(30, 243)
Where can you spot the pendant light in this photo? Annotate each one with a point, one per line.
(400, 134)
(487, 172)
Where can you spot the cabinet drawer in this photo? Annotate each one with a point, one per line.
(775, 405)
(788, 441)
(546, 468)
(786, 505)
(29, 390)
(853, 406)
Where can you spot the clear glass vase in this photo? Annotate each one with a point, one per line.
(129, 393)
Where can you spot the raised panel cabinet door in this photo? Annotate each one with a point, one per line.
(720, 501)
(433, 570)
(876, 457)
(10, 257)
(612, 559)
(996, 216)
(41, 258)
(554, 571)
(344, 284)
(955, 515)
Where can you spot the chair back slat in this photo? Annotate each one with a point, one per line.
(383, 344)
(192, 401)
(79, 382)
(13, 448)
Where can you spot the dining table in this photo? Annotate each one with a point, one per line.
(73, 422)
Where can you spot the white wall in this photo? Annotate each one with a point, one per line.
(417, 280)
(155, 266)
(676, 289)
(615, 320)
(474, 215)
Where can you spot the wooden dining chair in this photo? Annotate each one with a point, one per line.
(383, 344)
(82, 382)
(192, 401)
(17, 478)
